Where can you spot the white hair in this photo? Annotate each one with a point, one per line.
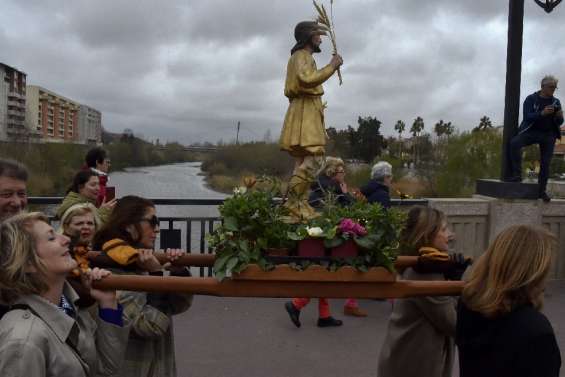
(547, 79)
(380, 170)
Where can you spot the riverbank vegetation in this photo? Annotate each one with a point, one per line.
(226, 167)
(52, 165)
(445, 163)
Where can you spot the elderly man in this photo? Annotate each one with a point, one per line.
(13, 194)
(542, 116)
(304, 134)
(13, 188)
(378, 187)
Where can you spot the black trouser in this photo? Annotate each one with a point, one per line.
(546, 142)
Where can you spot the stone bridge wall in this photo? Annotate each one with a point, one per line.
(478, 220)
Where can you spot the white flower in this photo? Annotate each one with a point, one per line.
(239, 190)
(315, 232)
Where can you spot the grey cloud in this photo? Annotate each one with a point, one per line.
(189, 70)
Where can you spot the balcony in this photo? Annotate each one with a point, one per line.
(16, 103)
(16, 122)
(16, 112)
(16, 95)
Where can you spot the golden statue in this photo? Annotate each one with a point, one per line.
(304, 134)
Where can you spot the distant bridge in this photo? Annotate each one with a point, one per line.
(197, 148)
(200, 148)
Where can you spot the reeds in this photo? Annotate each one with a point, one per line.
(328, 22)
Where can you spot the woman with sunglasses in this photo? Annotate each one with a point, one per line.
(129, 238)
(45, 333)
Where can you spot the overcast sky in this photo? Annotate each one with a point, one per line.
(188, 70)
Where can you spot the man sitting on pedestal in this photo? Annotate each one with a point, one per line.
(542, 116)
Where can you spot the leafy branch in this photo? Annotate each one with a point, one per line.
(328, 22)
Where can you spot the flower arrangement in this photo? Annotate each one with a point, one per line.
(254, 222)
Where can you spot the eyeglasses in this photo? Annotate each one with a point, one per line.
(340, 172)
(153, 221)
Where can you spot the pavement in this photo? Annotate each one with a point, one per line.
(253, 337)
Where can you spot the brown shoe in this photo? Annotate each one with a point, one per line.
(354, 311)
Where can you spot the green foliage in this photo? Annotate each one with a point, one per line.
(363, 143)
(252, 222)
(467, 157)
(557, 166)
(380, 245)
(259, 158)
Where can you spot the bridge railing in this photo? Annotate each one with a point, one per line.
(188, 233)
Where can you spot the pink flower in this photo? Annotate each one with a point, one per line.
(350, 226)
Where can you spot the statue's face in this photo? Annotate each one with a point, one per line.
(316, 41)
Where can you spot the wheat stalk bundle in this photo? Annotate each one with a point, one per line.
(328, 23)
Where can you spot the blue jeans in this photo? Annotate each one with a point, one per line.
(546, 142)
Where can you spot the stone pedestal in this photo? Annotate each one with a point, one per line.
(507, 190)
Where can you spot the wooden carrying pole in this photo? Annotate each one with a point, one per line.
(286, 289)
(207, 260)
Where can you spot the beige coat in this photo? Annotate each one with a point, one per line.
(303, 131)
(419, 339)
(44, 341)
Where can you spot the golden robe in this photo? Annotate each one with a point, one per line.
(304, 132)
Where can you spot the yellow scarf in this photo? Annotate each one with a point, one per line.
(431, 253)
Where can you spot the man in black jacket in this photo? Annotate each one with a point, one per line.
(542, 116)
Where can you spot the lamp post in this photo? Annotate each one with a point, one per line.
(513, 75)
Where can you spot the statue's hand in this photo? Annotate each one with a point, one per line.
(336, 61)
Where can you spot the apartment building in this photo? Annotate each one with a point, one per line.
(53, 116)
(12, 104)
(89, 125)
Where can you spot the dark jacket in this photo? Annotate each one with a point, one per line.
(376, 192)
(520, 344)
(531, 113)
(325, 186)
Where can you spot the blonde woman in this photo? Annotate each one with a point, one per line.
(500, 329)
(419, 339)
(331, 184)
(45, 333)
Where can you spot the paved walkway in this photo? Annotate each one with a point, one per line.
(225, 337)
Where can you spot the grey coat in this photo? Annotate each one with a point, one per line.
(44, 341)
(419, 339)
(151, 349)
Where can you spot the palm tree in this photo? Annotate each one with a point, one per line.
(399, 127)
(439, 128)
(415, 130)
(484, 124)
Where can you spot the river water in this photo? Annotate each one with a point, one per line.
(179, 181)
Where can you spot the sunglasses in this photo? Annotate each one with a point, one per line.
(153, 221)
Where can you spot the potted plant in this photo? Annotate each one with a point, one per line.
(311, 237)
(344, 245)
